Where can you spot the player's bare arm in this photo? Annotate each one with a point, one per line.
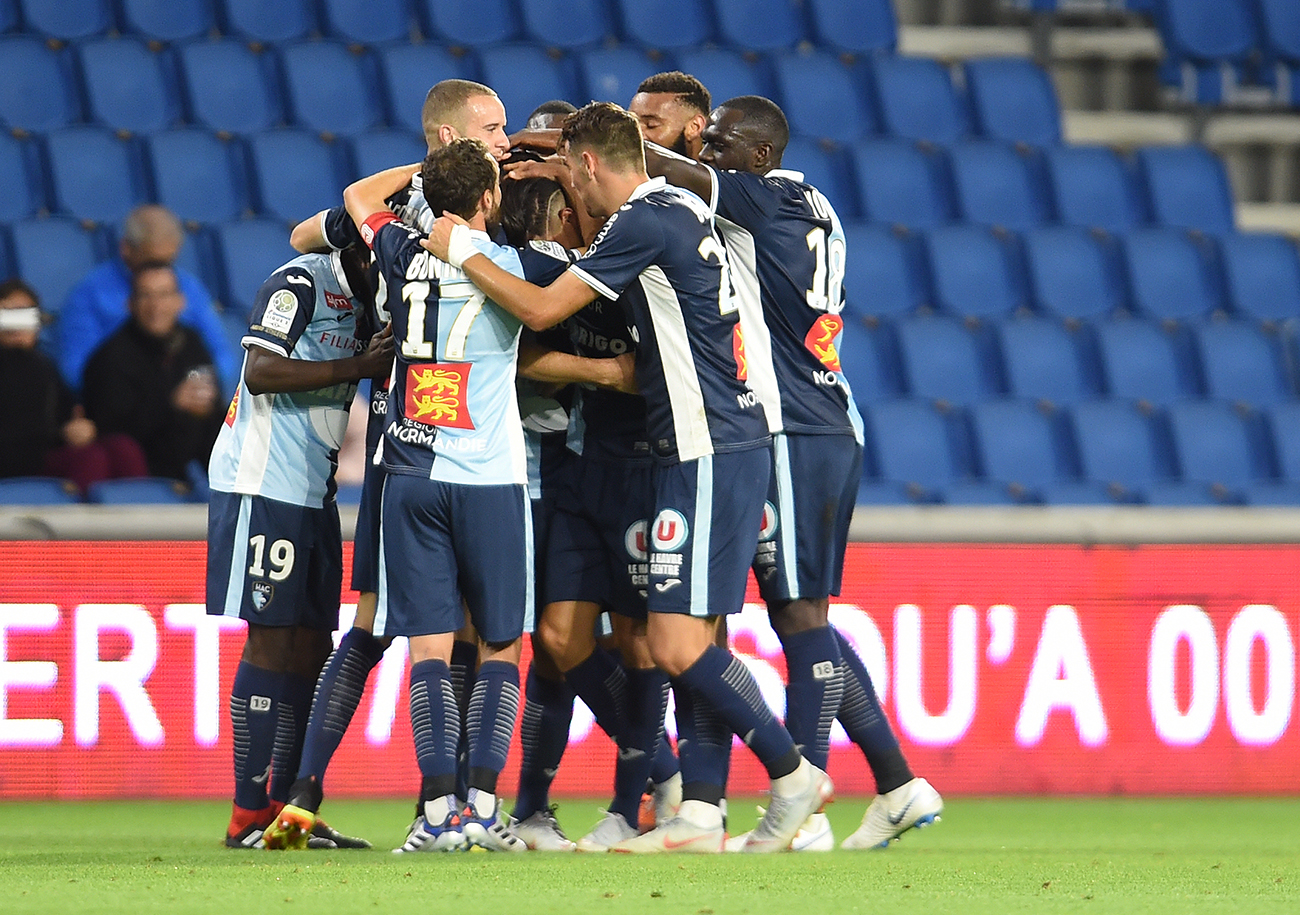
(370, 195)
(267, 372)
(678, 170)
(554, 367)
(542, 139)
(309, 235)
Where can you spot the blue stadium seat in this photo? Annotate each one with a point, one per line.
(817, 93)
(1142, 361)
(20, 186)
(942, 359)
(94, 174)
(1282, 423)
(855, 26)
(269, 21)
(1012, 99)
(8, 14)
(1092, 188)
(524, 76)
(248, 252)
(1279, 22)
(1168, 278)
(993, 186)
(229, 86)
(780, 24)
(1242, 363)
(331, 89)
(567, 24)
(348, 494)
(1018, 444)
(377, 150)
(38, 491)
(725, 72)
(901, 184)
(971, 273)
(668, 25)
(912, 442)
(1262, 276)
(612, 74)
(1208, 44)
(368, 21)
(37, 88)
(127, 86)
(67, 20)
(198, 176)
(823, 166)
(53, 254)
(138, 491)
(875, 492)
(1186, 188)
(168, 20)
(1069, 274)
(295, 173)
(481, 24)
(1119, 448)
(916, 100)
(407, 72)
(882, 277)
(1041, 360)
(868, 362)
(1213, 447)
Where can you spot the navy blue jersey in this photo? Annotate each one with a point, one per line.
(659, 257)
(786, 250)
(613, 423)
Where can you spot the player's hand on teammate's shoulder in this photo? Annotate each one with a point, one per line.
(439, 238)
(377, 357)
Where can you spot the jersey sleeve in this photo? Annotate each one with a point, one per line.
(283, 310)
(339, 229)
(742, 198)
(544, 261)
(629, 242)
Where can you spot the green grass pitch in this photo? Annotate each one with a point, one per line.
(987, 856)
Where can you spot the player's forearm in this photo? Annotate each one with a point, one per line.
(309, 235)
(545, 139)
(555, 367)
(679, 171)
(530, 304)
(271, 373)
(370, 195)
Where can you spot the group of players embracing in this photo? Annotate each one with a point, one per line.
(605, 385)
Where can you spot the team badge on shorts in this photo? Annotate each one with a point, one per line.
(669, 534)
(765, 551)
(634, 541)
(767, 530)
(263, 591)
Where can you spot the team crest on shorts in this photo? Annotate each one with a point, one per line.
(263, 591)
(767, 530)
(634, 541)
(670, 531)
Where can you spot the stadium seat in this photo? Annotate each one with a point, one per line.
(38, 491)
(971, 273)
(817, 93)
(1262, 276)
(1012, 99)
(780, 25)
(822, 164)
(916, 100)
(377, 150)
(247, 253)
(872, 491)
(941, 359)
(1208, 44)
(295, 174)
(1279, 22)
(855, 26)
(52, 254)
(406, 73)
(269, 21)
(901, 184)
(1213, 448)
(1241, 363)
(348, 494)
(911, 442)
(198, 176)
(127, 86)
(612, 74)
(481, 24)
(138, 491)
(20, 186)
(867, 362)
(1041, 360)
(67, 20)
(229, 86)
(1017, 444)
(725, 72)
(993, 186)
(882, 278)
(1069, 274)
(1142, 361)
(1282, 423)
(368, 21)
(330, 89)
(1119, 448)
(94, 174)
(668, 25)
(1091, 188)
(524, 76)
(1186, 187)
(8, 14)
(567, 24)
(168, 20)
(37, 88)
(1168, 278)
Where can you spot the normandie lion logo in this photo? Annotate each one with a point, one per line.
(821, 340)
(438, 395)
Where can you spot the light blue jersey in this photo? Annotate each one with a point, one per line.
(285, 446)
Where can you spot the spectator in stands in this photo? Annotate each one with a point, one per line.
(96, 307)
(153, 378)
(43, 431)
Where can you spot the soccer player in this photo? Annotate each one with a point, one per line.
(787, 254)
(274, 545)
(673, 109)
(709, 439)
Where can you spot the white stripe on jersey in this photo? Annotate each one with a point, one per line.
(761, 373)
(256, 448)
(690, 422)
(788, 529)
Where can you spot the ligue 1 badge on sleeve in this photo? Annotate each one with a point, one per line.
(263, 591)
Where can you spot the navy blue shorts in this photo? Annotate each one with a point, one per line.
(365, 542)
(596, 550)
(705, 529)
(806, 518)
(440, 543)
(272, 563)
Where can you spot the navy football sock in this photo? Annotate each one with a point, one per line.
(723, 682)
(648, 695)
(253, 700)
(292, 714)
(865, 723)
(702, 744)
(543, 736)
(814, 692)
(463, 665)
(435, 725)
(665, 764)
(493, 704)
(338, 694)
(601, 682)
